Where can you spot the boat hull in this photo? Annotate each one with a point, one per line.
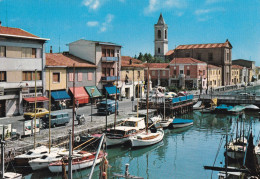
(23, 161)
(79, 166)
(238, 155)
(135, 142)
(116, 141)
(12, 175)
(179, 125)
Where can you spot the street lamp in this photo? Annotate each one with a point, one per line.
(92, 91)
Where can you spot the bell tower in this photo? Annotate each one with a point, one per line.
(160, 38)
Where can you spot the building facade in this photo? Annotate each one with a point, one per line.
(159, 73)
(235, 74)
(214, 76)
(218, 54)
(250, 68)
(105, 56)
(21, 54)
(188, 73)
(132, 77)
(160, 38)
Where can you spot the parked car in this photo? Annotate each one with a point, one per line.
(57, 119)
(40, 112)
(110, 107)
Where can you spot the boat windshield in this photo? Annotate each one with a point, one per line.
(44, 157)
(129, 123)
(29, 153)
(119, 132)
(45, 152)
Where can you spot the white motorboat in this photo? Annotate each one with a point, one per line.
(178, 123)
(155, 121)
(45, 160)
(146, 138)
(198, 105)
(121, 134)
(23, 159)
(165, 123)
(12, 175)
(236, 148)
(80, 161)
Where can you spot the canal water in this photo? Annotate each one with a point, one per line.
(181, 155)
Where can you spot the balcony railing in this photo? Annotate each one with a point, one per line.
(109, 78)
(109, 59)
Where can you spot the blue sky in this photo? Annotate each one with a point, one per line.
(130, 22)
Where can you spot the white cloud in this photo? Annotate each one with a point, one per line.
(155, 5)
(206, 14)
(92, 4)
(92, 23)
(105, 25)
(215, 1)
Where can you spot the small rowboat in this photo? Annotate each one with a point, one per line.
(178, 123)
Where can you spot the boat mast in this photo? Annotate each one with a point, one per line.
(117, 70)
(137, 96)
(2, 142)
(94, 163)
(70, 157)
(226, 161)
(49, 111)
(164, 108)
(73, 108)
(35, 102)
(147, 96)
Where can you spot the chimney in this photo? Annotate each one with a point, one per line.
(50, 49)
(130, 62)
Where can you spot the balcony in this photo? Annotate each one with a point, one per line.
(109, 59)
(109, 78)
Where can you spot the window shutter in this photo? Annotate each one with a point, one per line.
(79, 76)
(90, 74)
(70, 76)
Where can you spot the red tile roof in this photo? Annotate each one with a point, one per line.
(59, 59)
(170, 52)
(237, 67)
(125, 62)
(10, 31)
(210, 45)
(157, 65)
(185, 60)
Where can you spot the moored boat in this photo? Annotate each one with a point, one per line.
(146, 138)
(166, 122)
(236, 148)
(223, 108)
(80, 161)
(178, 123)
(236, 109)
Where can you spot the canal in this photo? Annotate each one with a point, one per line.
(182, 153)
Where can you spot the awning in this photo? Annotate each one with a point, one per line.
(38, 99)
(60, 95)
(96, 91)
(111, 89)
(80, 95)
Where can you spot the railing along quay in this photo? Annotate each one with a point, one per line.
(231, 99)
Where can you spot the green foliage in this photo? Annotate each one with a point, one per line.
(147, 57)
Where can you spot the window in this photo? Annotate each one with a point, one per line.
(104, 71)
(90, 76)
(165, 34)
(26, 52)
(2, 76)
(71, 77)
(227, 59)
(163, 73)
(103, 52)
(139, 73)
(219, 72)
(153, 73)
(210, 56)
(79, 76)
(159, 34)
(181, 71)
(108, 53)
(112, 72)
(55, 77)
(2, 51)
(203, 72)
(174, 72)
(30, 75)
(112, 53)
(187, 54)
(159, 50)
(34, 53)
(188, 72)
(199, 56)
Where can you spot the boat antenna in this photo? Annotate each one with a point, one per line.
(35, 102)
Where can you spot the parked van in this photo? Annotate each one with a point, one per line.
(110, 107)
(57, 119)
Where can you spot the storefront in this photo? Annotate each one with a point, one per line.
(59, 99)
(29, 103)
(80, 94)
(93, 92)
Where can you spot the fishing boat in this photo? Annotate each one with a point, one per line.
(198, 106)
(166, 122)
(80, 160)
(23, 159)
(45, 160)
(121, 134)
(223, 108)
(178, 123)
(236, 148)
(146, 138)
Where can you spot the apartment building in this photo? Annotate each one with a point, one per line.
(22, 59)
(214, 76)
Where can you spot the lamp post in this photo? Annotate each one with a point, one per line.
(92, 91)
